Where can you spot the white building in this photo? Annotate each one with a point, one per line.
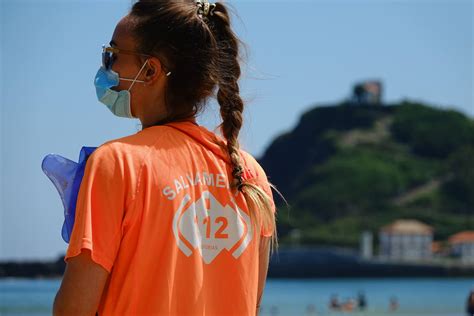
(462, 246)
(406, 239)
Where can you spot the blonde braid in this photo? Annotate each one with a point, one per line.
(231, 108)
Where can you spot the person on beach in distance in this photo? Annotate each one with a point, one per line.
(174, 219)
(470, 304)
(334, 303)
(393, 304)
(361, 301)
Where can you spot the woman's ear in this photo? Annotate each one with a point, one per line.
(150, 71)
(153, 70)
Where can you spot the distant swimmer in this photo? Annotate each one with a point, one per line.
(334, 303)
(361, 301)
(470, 303)
(393, 306)
(349, 305)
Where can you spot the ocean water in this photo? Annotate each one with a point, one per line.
(416, 297)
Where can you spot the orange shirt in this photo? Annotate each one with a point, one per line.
(155, 210)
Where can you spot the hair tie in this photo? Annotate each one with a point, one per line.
(205, 8)
(237, 174)
(237, 171)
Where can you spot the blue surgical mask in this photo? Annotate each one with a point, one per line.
(118, 102)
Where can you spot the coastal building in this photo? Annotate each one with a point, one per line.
(462, 246)
(406, 239)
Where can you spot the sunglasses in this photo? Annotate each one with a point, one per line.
(109, 52)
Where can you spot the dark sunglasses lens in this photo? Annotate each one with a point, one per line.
(106, 59)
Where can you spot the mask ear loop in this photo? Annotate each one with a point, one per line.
(138, 74)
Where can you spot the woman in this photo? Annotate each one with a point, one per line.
(175, 219)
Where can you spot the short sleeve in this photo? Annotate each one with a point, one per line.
(262, 181)
(100, 208)
(268, 190)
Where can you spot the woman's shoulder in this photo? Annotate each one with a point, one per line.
(254, 172)
(130, 149)
(138, 142)
(146, 136)
(254, 167)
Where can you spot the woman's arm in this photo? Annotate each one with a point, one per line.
(264, 257)
(81, 288)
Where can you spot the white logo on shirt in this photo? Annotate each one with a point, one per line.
(211, 227)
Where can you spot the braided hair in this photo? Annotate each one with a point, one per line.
(195, 41)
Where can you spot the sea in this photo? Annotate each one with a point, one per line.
(413, 297)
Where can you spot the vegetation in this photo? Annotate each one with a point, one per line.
(355, 168)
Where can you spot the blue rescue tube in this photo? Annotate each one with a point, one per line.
(66, 176)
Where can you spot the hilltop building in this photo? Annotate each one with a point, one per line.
(367, 92)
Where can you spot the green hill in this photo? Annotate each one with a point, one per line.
(348, 168)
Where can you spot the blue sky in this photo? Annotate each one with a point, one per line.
(301, 54)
